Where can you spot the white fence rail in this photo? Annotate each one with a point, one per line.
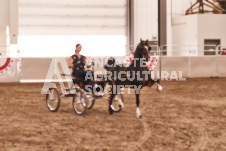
(65, 51)
(36, 69)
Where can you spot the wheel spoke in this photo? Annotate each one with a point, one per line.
(117, 103)
(79, 102)
(53, 100)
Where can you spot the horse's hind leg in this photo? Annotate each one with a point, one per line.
(138, 104)
(110, 103)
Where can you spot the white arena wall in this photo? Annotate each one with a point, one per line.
(36, 69)
(196, 67)
(11, 71)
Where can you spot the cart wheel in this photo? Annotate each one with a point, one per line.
(80, 102)
(91, 101)
(117, 103)
(53, 99)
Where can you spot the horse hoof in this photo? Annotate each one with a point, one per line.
(159, 88)
(140, 116)
(111, 113)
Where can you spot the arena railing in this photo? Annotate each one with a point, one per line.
(189, 50)
(162, 64)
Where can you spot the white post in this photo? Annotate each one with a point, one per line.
(3, 41)
(13, 21)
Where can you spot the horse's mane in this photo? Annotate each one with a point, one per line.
(137, 53)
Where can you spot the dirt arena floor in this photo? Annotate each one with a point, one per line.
(185, 116)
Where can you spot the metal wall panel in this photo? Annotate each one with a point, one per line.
(80, 17)
(145, 20)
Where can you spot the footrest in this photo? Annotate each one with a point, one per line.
(68, 89)
(69, 95)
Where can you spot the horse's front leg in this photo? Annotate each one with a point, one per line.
(152, 82)
(159, 85)
(138, 104)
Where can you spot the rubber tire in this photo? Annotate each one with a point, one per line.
(58, 103)
(85, 99)
(92, 104)
(120, 107)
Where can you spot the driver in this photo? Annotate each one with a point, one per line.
(77, 62)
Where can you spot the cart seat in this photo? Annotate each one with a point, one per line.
(76, 79)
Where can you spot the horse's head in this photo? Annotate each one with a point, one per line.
(145, 43)
(142, 50)
(110, 63)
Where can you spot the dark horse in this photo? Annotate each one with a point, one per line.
(135, 76)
